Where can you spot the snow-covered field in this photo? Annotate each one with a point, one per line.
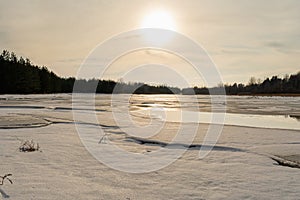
(238, 167)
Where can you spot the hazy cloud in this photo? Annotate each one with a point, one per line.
(244, 38)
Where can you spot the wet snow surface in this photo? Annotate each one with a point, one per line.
(238, 167)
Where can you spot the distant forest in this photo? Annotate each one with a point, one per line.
(20, 76)
(274, 86)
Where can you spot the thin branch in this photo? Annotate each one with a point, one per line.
(5, 177)
(285, 162)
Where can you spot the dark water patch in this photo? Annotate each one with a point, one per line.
(23, 107)
(143, 141)
(291, 143)
(19, 126)
(117, 132)
(83, 123)
(146, 141)
(81, 109)
(143, 105)
(20, 120)
(46, 122)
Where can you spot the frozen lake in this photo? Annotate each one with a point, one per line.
(261, 112)
(70, 166)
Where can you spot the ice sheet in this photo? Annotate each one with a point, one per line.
(239, 167)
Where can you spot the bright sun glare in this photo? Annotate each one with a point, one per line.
(159, 19)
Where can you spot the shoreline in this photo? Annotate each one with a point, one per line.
(270, 95)
(249, 95)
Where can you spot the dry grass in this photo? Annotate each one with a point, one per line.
(29, 146)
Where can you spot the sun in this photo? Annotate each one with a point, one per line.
(159, 19)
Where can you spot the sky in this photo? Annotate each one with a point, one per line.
(243, 38)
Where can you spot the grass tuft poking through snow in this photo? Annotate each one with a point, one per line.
(29, 146)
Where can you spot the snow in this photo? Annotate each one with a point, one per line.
(238, 167)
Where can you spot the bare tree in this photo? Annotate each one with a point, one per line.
(252, 81)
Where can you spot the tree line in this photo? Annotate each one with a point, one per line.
(20, 76)
(275, 85)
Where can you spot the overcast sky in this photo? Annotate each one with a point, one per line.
(244, 38)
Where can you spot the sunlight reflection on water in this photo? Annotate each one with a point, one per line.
(248, 120)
